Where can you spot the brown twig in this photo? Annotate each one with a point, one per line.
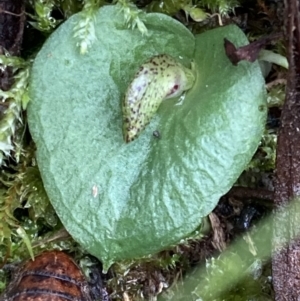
(10, 13)
(246, 192)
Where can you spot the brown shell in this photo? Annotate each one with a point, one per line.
(52, 276)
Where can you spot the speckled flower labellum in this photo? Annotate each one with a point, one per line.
(159, 78)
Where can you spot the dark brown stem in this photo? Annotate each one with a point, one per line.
(286, 229)
(246, 192)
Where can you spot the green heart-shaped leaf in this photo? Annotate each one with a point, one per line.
(123, 200)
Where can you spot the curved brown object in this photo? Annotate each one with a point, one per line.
(52, 276)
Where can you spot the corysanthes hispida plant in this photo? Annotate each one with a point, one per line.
(159, 78)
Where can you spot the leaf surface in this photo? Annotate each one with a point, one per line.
(118, 200)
